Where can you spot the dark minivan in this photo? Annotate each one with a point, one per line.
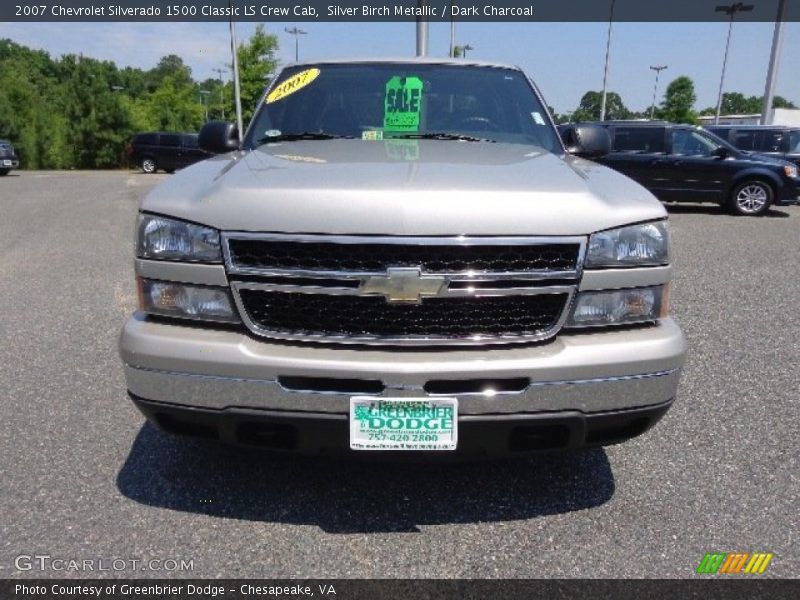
(773, 140)
(166, 151)
(683, 163)
(8, 157)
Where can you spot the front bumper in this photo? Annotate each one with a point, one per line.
(9, 163)
(479, 435)
(576, 375)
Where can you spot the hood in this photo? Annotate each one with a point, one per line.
(403, 187)
(767, 158)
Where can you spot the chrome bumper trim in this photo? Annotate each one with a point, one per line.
(586, 395)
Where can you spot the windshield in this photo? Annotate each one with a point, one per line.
(794, 141)
(692, 142)
(389, 100)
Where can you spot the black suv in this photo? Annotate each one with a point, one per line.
(166, 151)
(773, 140)
(8, 157)
(683, 163)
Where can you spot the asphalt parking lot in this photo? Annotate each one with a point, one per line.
(84, 478)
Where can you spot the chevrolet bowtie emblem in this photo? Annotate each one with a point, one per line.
(403, 284)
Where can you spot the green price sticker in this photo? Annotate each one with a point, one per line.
(403, 104)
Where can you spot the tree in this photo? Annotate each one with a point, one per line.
(591, 103)
(735, 103)
(257, 63)
(679, 99)
(169, 67)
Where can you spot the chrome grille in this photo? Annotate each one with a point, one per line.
(370, 317)
(403, 291)
(255, 254)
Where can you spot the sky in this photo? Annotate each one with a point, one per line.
(565, 59)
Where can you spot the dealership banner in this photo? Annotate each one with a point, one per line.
(703, 588)
(389, 10)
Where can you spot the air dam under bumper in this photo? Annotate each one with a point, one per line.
(214, 374)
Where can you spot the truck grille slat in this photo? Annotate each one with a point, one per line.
(329, 315)
(324, 256)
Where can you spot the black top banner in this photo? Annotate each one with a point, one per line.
(398, 10)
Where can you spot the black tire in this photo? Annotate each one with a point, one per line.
(4, 172)
(149, 165)
(751, 198)
(170, 171)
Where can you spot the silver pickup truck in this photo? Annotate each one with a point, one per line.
(402, 256)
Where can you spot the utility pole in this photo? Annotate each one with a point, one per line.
(452, 35)
(204, 94)
(730, 10)
(237, 90)
(296, 33)
(608, 55)
(657, 69)
(422, 30)
(221, 90)
(774, 59)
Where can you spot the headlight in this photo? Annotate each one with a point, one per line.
(619, 307)
(172, 299)
(633, 246)
(790, 170)
(169, 239)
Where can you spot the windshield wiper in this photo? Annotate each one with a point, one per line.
(441, 136)
(305, 135)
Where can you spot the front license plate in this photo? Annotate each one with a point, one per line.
(7, 163)
(403, 423)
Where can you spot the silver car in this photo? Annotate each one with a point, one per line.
(402, 256)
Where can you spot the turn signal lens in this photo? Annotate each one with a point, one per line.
(172, 299)
(617, 307)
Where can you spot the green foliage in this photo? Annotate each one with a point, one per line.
(734, 103)
(678, 104)
(781, 102)
(591, 104)
(257, 64)
(79, 112)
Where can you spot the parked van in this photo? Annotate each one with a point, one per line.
(166, 151)
(780, 142)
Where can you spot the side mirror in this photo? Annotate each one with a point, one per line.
(722, 152)
(218, 137)
(587, 141)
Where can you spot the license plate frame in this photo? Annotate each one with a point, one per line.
(403, 424)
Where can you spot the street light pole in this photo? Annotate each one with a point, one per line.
(657, 69)
(422, 29)
(772, 72)
(730, 10)
(221, 90)
(204, 94)
(452, 35)
(608, 55)
(237, 90)
(296, 33)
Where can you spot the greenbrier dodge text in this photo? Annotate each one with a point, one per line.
(406, 416)
(201, 591)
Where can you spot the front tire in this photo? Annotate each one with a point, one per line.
(751, 198)
(4, 172)
(149, 165)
